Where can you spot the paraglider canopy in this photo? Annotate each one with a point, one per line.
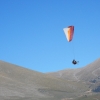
(69, 32)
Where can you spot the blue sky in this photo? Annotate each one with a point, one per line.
(31, 33)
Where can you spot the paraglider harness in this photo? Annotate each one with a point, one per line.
(74, 62)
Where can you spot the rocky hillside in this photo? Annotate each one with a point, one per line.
(89, 74)
(18, 83)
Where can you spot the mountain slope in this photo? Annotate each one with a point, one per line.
(90, 71)
(89, 74)
(19, 83)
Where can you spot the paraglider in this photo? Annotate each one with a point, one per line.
(74, 62)
(69, 32)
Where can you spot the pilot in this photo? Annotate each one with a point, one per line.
(74, 62)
